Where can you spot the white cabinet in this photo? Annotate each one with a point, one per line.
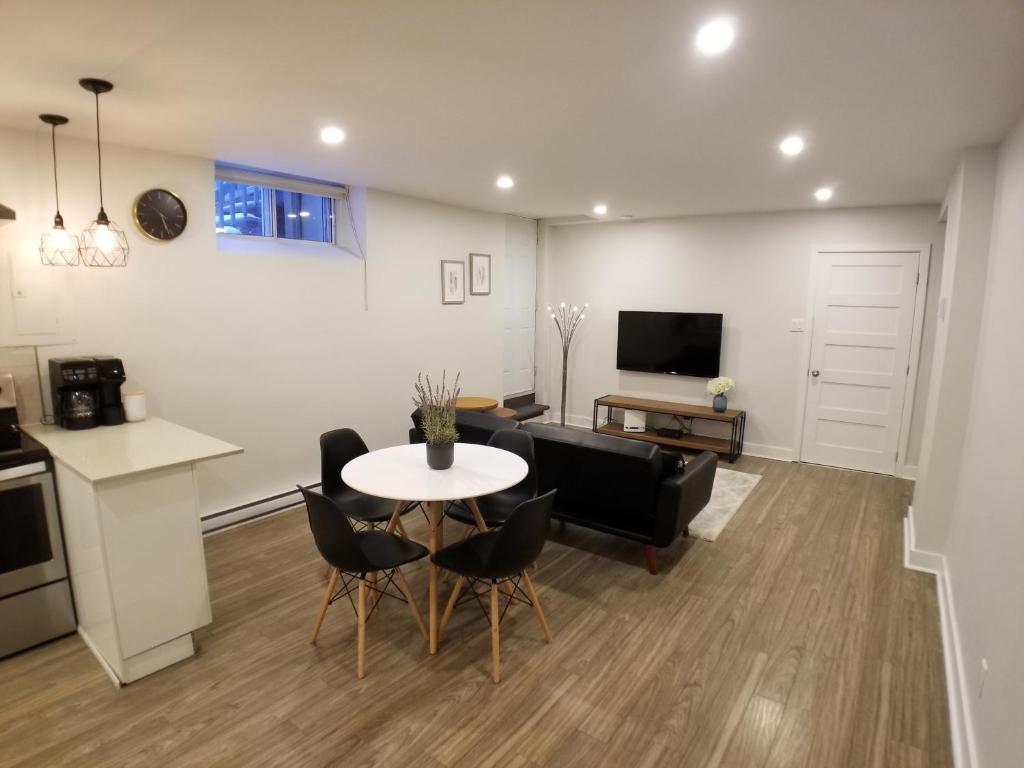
(132, 531)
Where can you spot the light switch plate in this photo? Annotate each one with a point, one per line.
(796, 325)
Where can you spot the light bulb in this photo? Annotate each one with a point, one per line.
(586, 305)
(582, 316)
(791, 146)
(575, 309)
(552, 315)
(562, 305)
(59, 239)
(715, 37)
(105, 239)
(332, 135)
(549, 307)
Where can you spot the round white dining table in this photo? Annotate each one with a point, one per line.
(401, 473)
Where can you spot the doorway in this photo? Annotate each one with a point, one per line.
(867, 307)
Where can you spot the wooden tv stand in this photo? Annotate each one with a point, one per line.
(730, 448)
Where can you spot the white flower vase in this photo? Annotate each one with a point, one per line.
(720, 403)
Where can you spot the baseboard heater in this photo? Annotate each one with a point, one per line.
(229, 518)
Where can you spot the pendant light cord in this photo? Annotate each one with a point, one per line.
(99, 151)
(53, 144)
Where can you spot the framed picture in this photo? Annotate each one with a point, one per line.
(453, 282)
(479, 274)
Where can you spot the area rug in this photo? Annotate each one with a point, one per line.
(727, 495)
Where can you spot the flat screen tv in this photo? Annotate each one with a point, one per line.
(680, 343)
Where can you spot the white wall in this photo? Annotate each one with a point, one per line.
(980, 540)
(266, 351)
(753, 268)
(968, 209)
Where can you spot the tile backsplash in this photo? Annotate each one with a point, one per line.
(20, 362)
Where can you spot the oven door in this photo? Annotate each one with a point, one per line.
(31, 550)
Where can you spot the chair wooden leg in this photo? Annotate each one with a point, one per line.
(404, 586)
(450, 608)
(331, 583)
(372, 592)
(652, 563)
(475, 510)
(536, 606)
(401, 529)
(495, 640)
(361, 630)
(396, 516)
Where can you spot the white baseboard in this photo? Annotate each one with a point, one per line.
(907, 471)
(960, 722)
(769, 451)
(919, 559)
(273, 505)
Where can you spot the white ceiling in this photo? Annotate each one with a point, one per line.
(580, 100)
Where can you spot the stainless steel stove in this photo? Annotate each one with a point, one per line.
(35, 594)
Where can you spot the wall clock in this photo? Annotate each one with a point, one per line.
(160, 214)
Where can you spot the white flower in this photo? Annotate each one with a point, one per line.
(720, 386)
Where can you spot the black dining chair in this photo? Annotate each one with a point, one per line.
(357, 556)
(496, 507)
(337, 448)
(500, 557)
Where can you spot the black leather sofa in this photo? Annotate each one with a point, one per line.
(625, 487)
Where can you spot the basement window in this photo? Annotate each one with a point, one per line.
(258, 204)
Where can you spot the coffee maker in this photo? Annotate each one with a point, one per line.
(111, 374)
(75, 392)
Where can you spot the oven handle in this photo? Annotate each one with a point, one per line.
(24, 470)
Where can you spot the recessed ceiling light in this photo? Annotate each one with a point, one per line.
(505, 182)
(332, 134)
(791, 146)
(304, 214)
(823, 194)
(716, 36)
(600, 209)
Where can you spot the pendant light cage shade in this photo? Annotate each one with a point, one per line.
(104, 245)
(57, 248)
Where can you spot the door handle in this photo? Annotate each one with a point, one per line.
(815, 373)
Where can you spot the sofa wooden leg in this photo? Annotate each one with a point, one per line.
(652, 563)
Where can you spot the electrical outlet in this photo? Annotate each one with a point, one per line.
(984, 674)
(796, 325)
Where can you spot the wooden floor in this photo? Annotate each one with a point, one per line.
(796, 639)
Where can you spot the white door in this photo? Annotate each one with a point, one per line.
(520, 303)
(863, 323)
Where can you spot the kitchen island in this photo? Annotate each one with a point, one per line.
(130, 513)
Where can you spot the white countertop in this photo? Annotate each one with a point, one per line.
(103, 453)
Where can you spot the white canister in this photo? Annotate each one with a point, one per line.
(134, 402)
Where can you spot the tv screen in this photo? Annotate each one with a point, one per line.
(680, 343)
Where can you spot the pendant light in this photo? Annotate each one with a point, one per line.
(103, 243)
(56, 247)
